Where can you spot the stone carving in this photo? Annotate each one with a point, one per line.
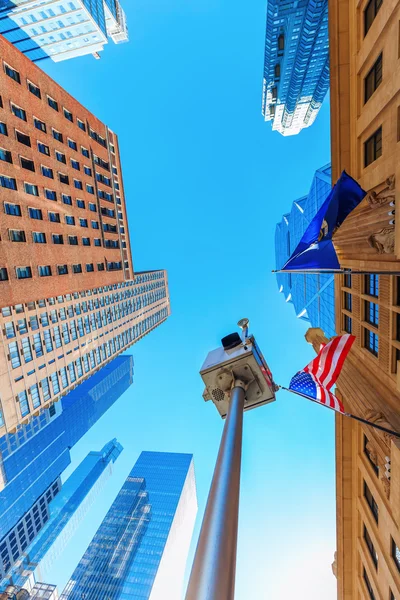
(386, 194)
(372, 453)
(334, 565)
(380, 419)
(386, 486)
(383, 241)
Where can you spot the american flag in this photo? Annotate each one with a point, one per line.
(317, 378)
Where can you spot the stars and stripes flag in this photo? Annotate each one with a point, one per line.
(317, 378)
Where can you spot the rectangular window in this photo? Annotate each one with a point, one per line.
(31, 189)
(72, 144)
(373, 147)
(57, 135)
(14, 355)
(347, 301)
(89, 188)
(89, 267)
(80, 203)
(61, 157)
(12, 209)
(8, 182)
(45, 389)
(54, 217)
(68, 115)
(26, 163)
(44, 270)
(83, 222)
(371, 341)
(63, 178)
(43, 148)
(3, 129)
(371, 313)
(71, 371)
(373, 79)
(26, 349)
(347, 324)
(370, 12)
(47, 172)
(34, 391)
(12, 73)
(53, 103)
(38, 237)
(50, 194)
(18, 112)
(92, 207)
(371, 285)
(100, 266)
(86, 241)
(35, 213)
(54, 383)
(396, 554)
(17, 235)
(39, 124)
(97, 242)
(95, 225)
(62, 269)
(85, 152)
(34, 89)
(369, 456)
(371, 547)
(371, 502)
(66, 199)
(75, 165)
(73, 240)
(23, 403)
(87, 170)
(69, 220)
(78, 184)
(77, 268)
(57, 238)
(5, 155)
(81, 124)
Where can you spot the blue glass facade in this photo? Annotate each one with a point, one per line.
(296, 63)
(124, 556)
(311, 295)
(88, 476)
(35, 456)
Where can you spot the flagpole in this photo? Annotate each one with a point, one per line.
(390, 431)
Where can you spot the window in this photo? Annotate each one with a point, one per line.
(12, 73)
(44, 270)
(370, 12)
(34, 89)
(83, 222)
(373, 79)
(371, 341)
(54, 217)
(54, 383)
(87, 170)
(47, 172)
(370, 457)
(371, 313)
(89, 188)
(391, 595)
(373, 147)
(17, 235)
(95, 224)
(18, 112)
(81, 124)
(89, 267)
(12, 209)
(38, 237)
(80, 203)
(31, 189)
(3, 129)
(347, 323)
(347, 301)
(66, 199)
(77, 268)
(53, 103)
(371, 547)
(43, 148)
(92, 207)
(5, 155)
(86, 241)
(23, 403)
(371, 502)
(14, 355)
(75, 165)
(85, 152)
(23, 272)
(26, 163)
(57, 135)
(97, 242)
(371, 285)
(50, 194)
(35, 213)
(100, 266)
(281, 43)
(39, 124)
(57, 238)
(70, 220)
(78, 184)
(62, 269)
(396, 554)
(368, 585)
(8, 182)
(73, 240)
(68, 115)
(72, 144)
(61, 157)
(63, 178)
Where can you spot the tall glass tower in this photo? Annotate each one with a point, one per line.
(67, 511)
(296, 64)
(36, 455)
(62, 30)
(312, 296)
(139, 551)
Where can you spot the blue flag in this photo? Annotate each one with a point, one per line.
(315, 251)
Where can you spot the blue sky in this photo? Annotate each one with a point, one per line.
(206, 180)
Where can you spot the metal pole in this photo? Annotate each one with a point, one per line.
(214, 566)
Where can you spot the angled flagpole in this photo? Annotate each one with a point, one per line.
(345, 414)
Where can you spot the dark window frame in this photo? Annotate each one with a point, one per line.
(373, 147)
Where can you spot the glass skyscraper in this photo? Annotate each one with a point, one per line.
(67, 511)
(61, 29)
(311, 295)
(35, 456)
(139, 551)
(296, 63)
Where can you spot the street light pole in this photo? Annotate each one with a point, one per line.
(214, 567)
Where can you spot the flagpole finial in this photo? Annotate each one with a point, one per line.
(244, 326)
